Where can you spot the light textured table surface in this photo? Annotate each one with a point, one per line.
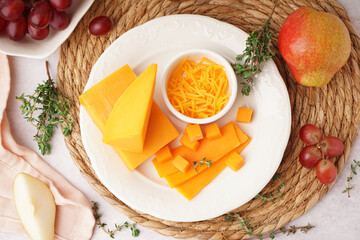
(335, 216)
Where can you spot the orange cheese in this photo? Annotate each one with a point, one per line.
(185, 140)
(241, 135)
(198, 90)
(163, 154)
(211, 149)
(100, 99)
(192, 187)
(234, 161)
(127, 124)
(105, 93)
(212, 131)
(178, 178)
(164, 168)
(160, 132)
(181, 163)
(243, 145)
(244, 115)
(189, 188)
(194, 132)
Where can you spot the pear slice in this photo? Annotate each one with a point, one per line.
(35, 205)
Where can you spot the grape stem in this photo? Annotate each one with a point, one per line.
(321, 150)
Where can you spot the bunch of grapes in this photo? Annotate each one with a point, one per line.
(317, 148)
(18, 17)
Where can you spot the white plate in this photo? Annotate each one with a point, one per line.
(157, 41)
(31, 48)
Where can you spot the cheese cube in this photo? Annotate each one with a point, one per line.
(163, 154)
(181, 163)
(194, 132)
(212, 131)
(234, 161)
(244, 115)
(185, 140)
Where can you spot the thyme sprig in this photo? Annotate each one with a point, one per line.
(290, 230)
(258, 50)
(353, 172)
(271, 197)
(231, 217)
(201, 163)
(45, 109)
(134, 231)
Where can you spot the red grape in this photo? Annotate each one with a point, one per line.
(326, 171)
(40, 14)
(310, 156)
(61, 5)
(332, 146)
(310, 134)
(16, 30)
(2, 24)
(59, 20)
(100, 25)
(38, 34)
(11, 10)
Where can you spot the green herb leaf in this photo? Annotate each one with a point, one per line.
(230, 217)
(201, 163)
(352, 172)
(258, 50)
(134, 231)
(45, 109)
(270, 197)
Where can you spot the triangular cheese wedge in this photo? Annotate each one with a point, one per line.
(100, 99)
(127, 124)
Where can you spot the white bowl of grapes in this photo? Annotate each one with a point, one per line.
(36, 28)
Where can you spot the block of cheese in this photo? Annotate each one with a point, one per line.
(100, 99)
(210, 149)
(128, 121)
(160, 132)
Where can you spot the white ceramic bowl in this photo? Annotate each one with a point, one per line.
(196, 55)
(31, 48)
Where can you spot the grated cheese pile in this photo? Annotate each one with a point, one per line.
(198, 90)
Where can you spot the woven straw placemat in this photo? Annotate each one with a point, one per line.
(336, 109)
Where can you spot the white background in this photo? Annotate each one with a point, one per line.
(335, 216)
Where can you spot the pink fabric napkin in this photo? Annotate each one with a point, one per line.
(74, 217)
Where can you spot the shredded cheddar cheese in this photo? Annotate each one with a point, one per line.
(198, 90)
